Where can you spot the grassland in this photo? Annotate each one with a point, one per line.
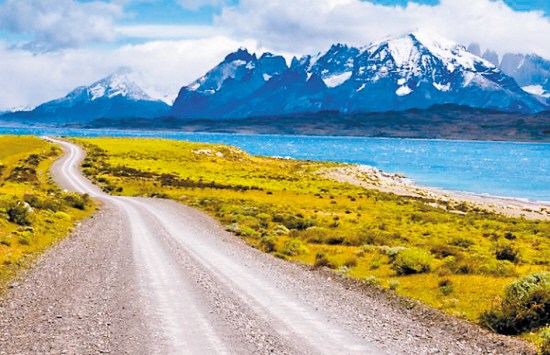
(34, 213)
(456, 262)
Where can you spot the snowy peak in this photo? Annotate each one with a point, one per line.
(418, 50)
(118, 84)
(115, 96)
(422, 60)
(417, 70)
(334, 66)
(238, 66)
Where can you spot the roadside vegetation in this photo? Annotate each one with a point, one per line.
(473, 264)
(34, 213)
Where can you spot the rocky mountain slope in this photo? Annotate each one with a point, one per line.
(414, 71)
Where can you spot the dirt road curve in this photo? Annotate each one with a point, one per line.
(150, 276)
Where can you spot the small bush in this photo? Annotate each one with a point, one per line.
(412, 261)
(351, 262)
(321, 260)
(372, 280)
(76, 201)
(268, 244)
(24, 240)
(280, 230)
(375, 264)
(526, 306)
(507, 252)
(18, 213)
(446, 286)
(394, 285)
(293, 247)
(461, 242)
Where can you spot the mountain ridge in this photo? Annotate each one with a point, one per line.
(414, 71)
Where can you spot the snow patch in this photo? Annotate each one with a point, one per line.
(536, 90)
(267, 77)
(401, 81)
(97, 91)
(361, 87)
(442, 87)
(402, 51)
(195, 86)
(403, 91)
(336, 80)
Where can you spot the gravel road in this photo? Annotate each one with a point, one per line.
(151, 276)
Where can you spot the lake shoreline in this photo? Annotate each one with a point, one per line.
(373, 178)
(473, 166)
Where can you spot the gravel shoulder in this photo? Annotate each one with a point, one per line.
(154, 276)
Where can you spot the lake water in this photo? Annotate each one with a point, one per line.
(519, 170)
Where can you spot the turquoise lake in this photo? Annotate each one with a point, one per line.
(519, 170)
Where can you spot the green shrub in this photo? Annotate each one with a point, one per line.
(268, 244)
(24, 240)
(280, 230)
(351, 261)
(525, 306)
(248, 232)
(5, 241)
(446, 286)
(321, 260)
(372, 280)
(76, 201)
(19, 213)
(498, 268)
(412, 261)
(461, 242)
(394, 285)
(375, 264)
(507, 252)
(293, 247)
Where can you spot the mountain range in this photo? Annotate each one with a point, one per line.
(415, 71)
(115, 96)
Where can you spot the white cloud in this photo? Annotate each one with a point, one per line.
(159, 32)
(303, 26)
(57, 24)
(162, 68)
(198, 4)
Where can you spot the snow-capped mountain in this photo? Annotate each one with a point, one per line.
(530, 71)
(413, 71)
(228, 85)
(115, 96)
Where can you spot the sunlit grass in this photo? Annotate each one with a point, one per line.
(52, 216)
(464, 260)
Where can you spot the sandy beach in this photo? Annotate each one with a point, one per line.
(458, 202)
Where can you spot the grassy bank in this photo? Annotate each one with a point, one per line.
(34, 213)
(451, 257)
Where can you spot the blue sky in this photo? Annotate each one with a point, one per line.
(48, 47)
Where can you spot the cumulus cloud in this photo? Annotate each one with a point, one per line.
(58, 24)
(307, 26)
(161, 68)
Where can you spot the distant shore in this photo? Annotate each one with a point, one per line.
(458, 202)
